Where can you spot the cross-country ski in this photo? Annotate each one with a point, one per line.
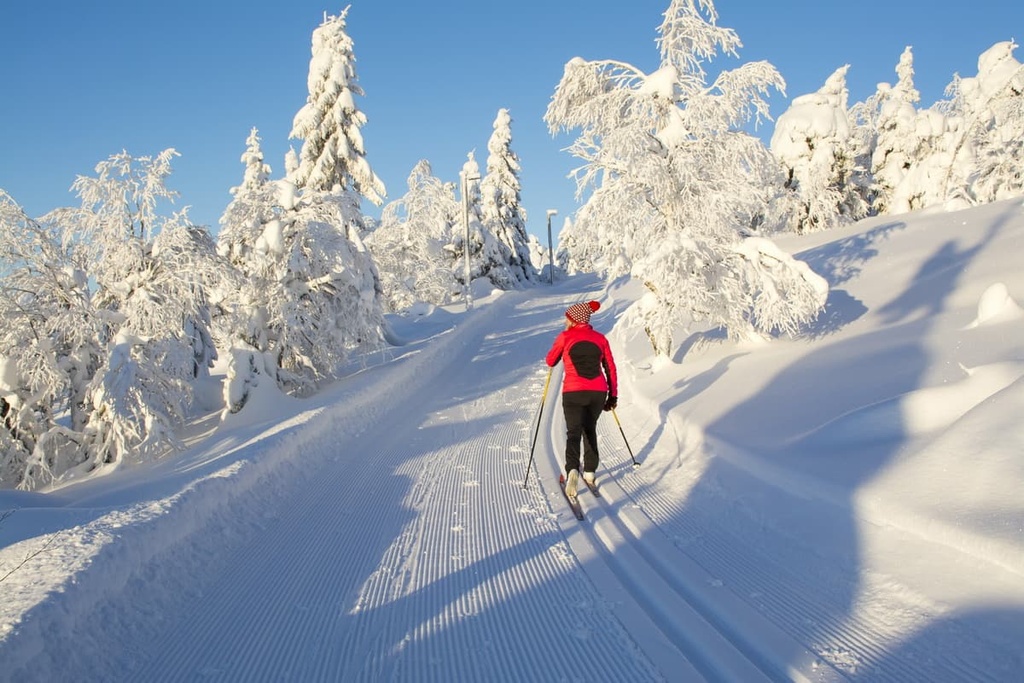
(573, 500)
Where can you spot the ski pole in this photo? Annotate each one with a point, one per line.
(540, 412)
(616, 416)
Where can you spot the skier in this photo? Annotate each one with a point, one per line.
(590, 386)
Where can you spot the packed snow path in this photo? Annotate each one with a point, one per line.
(389, 537)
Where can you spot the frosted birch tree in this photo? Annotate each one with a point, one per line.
(123, 294)
(675, 183)
(503, 215)
(152, 274)
(52, 346)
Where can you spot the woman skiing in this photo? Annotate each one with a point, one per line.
(590, 386)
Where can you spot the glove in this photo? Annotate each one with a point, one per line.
(611, 403)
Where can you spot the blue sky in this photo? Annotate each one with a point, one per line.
(82, 81)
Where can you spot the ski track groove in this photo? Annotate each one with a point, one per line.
(711, 651)
(805, 611)
(789, 602)
(668, 571)
(285, 595)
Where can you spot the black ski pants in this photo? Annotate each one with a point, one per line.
(582, 408)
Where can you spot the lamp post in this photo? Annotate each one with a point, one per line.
(551, 252)
(466, 179)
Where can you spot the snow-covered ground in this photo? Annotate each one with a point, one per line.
(845, 506)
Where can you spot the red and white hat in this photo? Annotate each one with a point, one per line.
(580, 313)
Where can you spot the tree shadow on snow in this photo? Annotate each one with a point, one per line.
(840, 261)
(819, 601)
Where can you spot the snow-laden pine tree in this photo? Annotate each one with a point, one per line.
(309, 291)
(486, 258)
(246, 327)
(332, 148)
(503, 215)
(124, 291)
(409, 244)
(814, 141)
(575, 252)
(676, 183)
(313, 294)
(991, 140)
(894, 122)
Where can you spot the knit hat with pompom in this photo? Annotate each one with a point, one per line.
(580, 313)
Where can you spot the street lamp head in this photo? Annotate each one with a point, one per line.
(552, 212)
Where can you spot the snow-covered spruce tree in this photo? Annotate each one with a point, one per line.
(313, 295)
(257, 171)
(928, 148)
(539, 256)
(309, 291)
(543, 259)
(409, 244)
(968, 149)
(291, 165)
(676, 183)
(332, 149)
(815, 144)
(503, 215)
(988, 150)
(485, 253)
(889, 121)
(578, 251)
(246, 328)
(334, 297)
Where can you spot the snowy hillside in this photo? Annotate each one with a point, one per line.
(846, 506)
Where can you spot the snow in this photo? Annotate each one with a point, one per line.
(845, 505)
(662, 83)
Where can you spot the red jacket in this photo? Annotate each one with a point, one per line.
(589, 365)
